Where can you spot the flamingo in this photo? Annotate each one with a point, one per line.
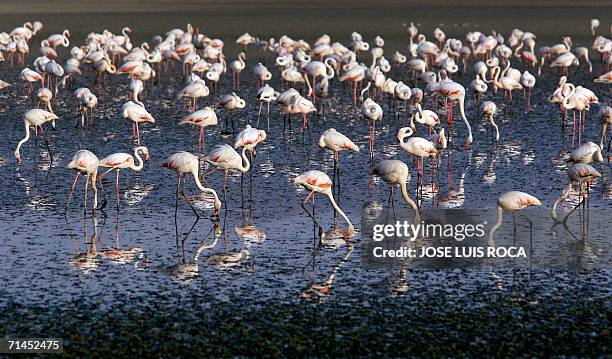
(31, 76)
(336, 142)
(45, 95)
(262, 74)
(301, 105)
(418, 147)
(588, 152)
(511, 202)
(194, 90)
(224, 157)
(396, 172)
(424, 117)
(86, 163)
(505, 82)
(185, 163)
(372, 113)
(455, 91)
(202, 118)
(249, 138)
(319, 182)
(580, 173)
(528, 81)
(120, 160)
(606, 120)
(237, 66)
(87, 102)
(356, 74)
(231, 102)
(36, 117)
(137, 114)
(266, 94)
(136, 88)
(479, 86)
(489, 109)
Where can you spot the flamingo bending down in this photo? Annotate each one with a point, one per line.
(588, 152)
(606, 120)
(36, 117)
(203, 118)
(455, 91)
(510, 202)
(489, 109)
(85, 162)
(120, 160)
(396, 172)
(186, 163)
(581, 173)
(319, 182)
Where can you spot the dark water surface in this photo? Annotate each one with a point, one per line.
(194, 284)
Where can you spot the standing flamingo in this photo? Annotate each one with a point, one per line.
(36, 117)
(86, 163)
(186, 163)
(528, 81)
(137, 114)
(231, 102)
(396, 172)
(511, 202)
(236, 67)
(455, 91)
(418, 147)
(202, 118)
(588, 152)
(319, 182)
(580, 173)
(120, 160)
(372, 113)
(224, 157)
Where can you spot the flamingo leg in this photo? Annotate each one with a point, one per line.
(72, 190)
(117, 188)
(85, 195)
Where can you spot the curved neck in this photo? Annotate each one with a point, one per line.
(244, 168)
(350, 227)
(500, 212)
(24, 140)
(140, 164)
(417, 215)
(564, 195)
(467, 123)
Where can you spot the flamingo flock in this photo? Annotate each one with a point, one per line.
(424, 81)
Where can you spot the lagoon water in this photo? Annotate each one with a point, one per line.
(221, 288)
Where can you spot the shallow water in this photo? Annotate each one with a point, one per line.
(144, 249)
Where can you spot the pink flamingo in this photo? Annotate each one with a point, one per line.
(86, 163)
(119, 161)
(319, 182)
(137, 114)
(36, 117)
(202, 118)
(186, 163)
(511, 202)
(396, 172)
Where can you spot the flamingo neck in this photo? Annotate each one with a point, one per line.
(417, 215)
(350, 227)
(244, 168)
(564, 195)
(500, 213)
(140, 164)
(24, 140)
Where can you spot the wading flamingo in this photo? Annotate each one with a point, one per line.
(185, 163)
(319, 182)
(120, 160)
(36, 117)
(579, 173)
(202, 118)
(511, 202)
(86, 163)
(396, 172)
